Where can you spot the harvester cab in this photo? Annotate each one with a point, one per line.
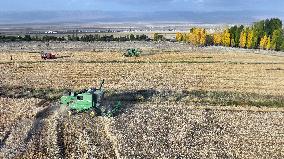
(86, 100)
(47, 55)
(133, 52)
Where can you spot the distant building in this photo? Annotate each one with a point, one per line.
(51, 32)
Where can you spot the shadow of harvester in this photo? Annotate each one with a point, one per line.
(128, 99)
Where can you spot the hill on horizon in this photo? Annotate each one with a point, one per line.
(213, 17)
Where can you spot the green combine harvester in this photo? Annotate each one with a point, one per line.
(133, 52)
(89, 100)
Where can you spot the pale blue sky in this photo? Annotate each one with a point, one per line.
(142, 5)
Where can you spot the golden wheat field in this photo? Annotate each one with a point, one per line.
(174, 105)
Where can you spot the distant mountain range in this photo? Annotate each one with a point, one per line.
(14, 17)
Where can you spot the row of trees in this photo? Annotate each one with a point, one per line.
(85, 38)
(265, 34)
(197, 36)
(4, 38)
(131, 37)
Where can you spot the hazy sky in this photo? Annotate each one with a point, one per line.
(142, 5)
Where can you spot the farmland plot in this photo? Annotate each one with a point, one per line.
(174, 105)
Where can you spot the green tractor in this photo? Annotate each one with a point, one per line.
(133, 52)
(90, 99)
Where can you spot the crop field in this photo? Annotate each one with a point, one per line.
(175, 104)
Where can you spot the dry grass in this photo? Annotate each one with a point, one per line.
(175, 105)
(172, 130)
(178, 71)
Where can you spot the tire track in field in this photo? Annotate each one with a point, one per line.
(60, 139)
(3, 141)
(39, 119)
(106, 122)
(58, 144)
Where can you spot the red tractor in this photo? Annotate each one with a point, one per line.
(47, 55)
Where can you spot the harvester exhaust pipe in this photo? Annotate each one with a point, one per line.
(102, 83)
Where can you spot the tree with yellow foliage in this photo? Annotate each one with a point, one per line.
(203, 36)
(197, 36)
(268, 45)
(194, 37)
(263, 42)
(185, 37)
(217, 38)
(250, 37)
(243, 39)
(179, 36)
(226, 38)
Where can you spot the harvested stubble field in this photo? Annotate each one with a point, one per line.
(176, 104)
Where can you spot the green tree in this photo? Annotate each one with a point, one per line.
(277, 39)
(282, 46)
(209, 40)
(132, 37)
(27, 38)
(258, 32)
(233, 31)
(272, 25)
(233, 44)
(238, 35)
(156, 35)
